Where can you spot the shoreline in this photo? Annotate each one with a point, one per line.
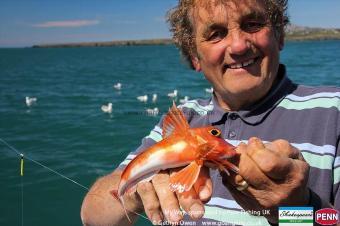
(164, 42)
(292, 33)
(108, 43)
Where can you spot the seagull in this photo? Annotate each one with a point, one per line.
(209, 90)
(154, 98)
(30, 101)
(117, 86)
(185, 99)
(143, 98)
(174, 94)
(152, 112)
(107, 108)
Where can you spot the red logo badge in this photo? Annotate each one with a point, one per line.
(327, 216)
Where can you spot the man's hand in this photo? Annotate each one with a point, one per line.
(154, 197)
(276, 174)
(162, 204)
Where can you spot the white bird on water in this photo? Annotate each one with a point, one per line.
(209, 90)
(173, 94)
(154, 98)
(184, 100)
(152, 112)
(30, 101)
(107, 108)
(143, 98)
(117, 86)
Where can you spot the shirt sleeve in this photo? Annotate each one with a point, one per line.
(154, 136)
(334, 197)
(336, 175)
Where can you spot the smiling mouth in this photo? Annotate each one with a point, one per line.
(242, 64)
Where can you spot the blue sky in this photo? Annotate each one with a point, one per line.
(29, 22)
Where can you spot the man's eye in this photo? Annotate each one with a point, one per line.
(217, 35)
(252, 26)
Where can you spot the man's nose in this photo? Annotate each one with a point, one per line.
(237, 42)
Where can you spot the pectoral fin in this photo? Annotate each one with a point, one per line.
(184, 179)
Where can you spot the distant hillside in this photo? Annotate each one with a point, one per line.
(108, 43)
(293, 32)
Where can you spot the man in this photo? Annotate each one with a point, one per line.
(236, 44)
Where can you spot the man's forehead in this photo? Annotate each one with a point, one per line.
(228, 6)
(210, 12)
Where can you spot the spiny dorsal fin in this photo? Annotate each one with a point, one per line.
(174, 122)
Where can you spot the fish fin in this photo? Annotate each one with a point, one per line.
(224, 165)
(226, 171)
(229, 165)
(221, 167)
(174, 122)
(114, 193)
(184, 179)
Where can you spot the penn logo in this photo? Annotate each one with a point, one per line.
(327, 216)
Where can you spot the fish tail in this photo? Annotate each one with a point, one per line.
(114, 193)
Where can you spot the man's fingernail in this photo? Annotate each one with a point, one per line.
(196, 211)
(156, 219)
(204, 193)
(175, 216)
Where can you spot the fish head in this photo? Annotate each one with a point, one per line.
(210, 137)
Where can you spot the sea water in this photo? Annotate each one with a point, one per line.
(67, 131)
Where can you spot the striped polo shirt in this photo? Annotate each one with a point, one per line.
(307, 117)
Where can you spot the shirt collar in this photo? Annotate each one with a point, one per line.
(258, 112)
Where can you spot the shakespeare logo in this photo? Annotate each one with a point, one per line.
(297, 216)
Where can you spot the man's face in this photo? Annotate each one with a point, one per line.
(237, 50)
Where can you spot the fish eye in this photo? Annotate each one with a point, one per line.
(215, 132)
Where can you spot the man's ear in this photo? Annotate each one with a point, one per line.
(281, 41)
(195, 63)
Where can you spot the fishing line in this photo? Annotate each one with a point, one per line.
(42, 165)
(22, 187)
(22, 156)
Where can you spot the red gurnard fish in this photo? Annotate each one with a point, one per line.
(180, 146)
